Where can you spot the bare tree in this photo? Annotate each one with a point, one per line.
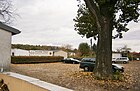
(6, 11)
(124, 50)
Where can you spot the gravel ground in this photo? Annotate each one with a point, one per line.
(70, 76)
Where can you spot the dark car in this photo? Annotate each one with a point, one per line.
(71, 60)
(88, 64)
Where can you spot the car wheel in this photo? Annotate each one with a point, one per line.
(124, 62)
(73, 62)
(113, 61)
(86, 69)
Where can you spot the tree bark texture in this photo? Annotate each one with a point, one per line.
(103, 69)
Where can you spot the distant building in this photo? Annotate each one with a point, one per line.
(71, 54)
(116, 54)
(5, 45)
(20, 52)
(60, 53)
(40, 53)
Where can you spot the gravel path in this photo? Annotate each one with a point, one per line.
(70, 76)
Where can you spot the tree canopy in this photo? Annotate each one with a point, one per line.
(84, 49)
(121, 12)
(85, 24)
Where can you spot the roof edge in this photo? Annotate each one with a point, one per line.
(14, 31)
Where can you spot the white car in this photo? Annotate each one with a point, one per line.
(120, 59)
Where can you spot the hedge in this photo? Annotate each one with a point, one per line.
(35, 59)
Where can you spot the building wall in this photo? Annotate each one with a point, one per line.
(71, 54)
(19, 52)
(50, 53)
(115, 55)
(61, 53)
(5, 49)
(38, 53)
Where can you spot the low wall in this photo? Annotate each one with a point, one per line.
(17, 82)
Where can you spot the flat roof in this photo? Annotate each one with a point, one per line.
(9, 29)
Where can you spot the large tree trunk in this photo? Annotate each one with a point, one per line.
(104, 20)
(103, 69)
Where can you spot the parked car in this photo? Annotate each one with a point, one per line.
(89, 59)
(120, 59)
(71, 60)
(88, 64)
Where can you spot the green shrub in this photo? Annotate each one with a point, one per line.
(118, 76)
(35, 59)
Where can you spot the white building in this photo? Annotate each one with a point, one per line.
(20, 52)
(71, 54)
(39, 53)
(60, 53)
(48, 53)
(116, 55)
(5, 45)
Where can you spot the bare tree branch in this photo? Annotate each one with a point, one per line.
(6, 11)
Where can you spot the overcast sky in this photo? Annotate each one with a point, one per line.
(50, 22)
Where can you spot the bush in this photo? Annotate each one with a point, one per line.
(35, 59)
(132, 58)
(118, 76)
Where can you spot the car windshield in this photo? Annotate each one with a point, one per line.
(88, 59)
